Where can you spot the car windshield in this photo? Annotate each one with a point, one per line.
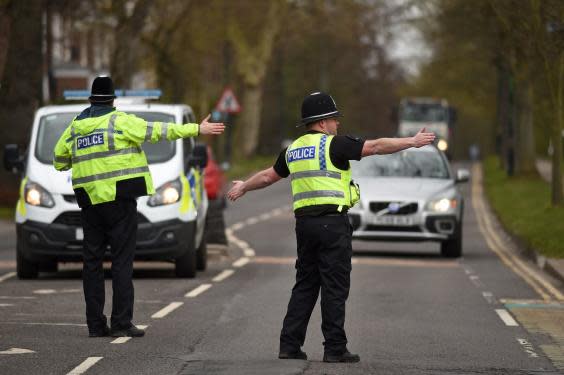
(407, 163)
(52, 126)
(423, 112)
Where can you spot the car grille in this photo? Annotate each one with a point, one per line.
(392, 228)
(73, 218)
(405, 209)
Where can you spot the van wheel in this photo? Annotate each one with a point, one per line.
(453, 248)
(186, 264)
(202, 254)
(25, 269)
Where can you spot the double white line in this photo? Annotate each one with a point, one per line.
(532, 277)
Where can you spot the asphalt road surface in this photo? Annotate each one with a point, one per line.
(409, 312)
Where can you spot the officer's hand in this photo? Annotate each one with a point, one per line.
(213, 128)
(422, 138)
(236, 191)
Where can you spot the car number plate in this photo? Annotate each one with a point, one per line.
(79, 234)
(392, 220)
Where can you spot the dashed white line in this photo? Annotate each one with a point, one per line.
(489, 297)
(223, 275)
(167, 310)
(6, 304)
(241, 262)
(84, 366)
(17, 297)
(476, 280)
(252, 221)
(121, 340)
(265, 216)
(197, 291)
(7, 276)
(506, 317)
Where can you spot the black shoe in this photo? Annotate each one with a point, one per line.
(102, 333)
(127, 332)
(293, 355)
(345, 357)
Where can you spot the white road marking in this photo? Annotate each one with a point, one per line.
(7, 276)
(489, 297)
(71, 290)
(121, 340)
(16, 297)
(528, 347)
(223, 275)
(17, 351)
(44, 291)
(84, 366)
(506, 317)
(248, 252)
(237, 226)
(166, 310)
(197, 291)
(265, 216)
(252, 221)
(476, 281)
(277, 211)
(6, 304)
(241, 262)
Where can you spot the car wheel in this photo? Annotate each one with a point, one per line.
(185, 266)
(202, 254)
(25, 269)
(452, 248)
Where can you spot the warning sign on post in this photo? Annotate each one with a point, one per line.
(228, 102)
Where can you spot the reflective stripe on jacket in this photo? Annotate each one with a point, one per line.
(104, 150)
(315, 180)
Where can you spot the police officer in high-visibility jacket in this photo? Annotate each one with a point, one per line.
(323, 191)
(109, 171)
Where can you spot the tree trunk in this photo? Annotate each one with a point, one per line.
(525, 132)
(250, 119)
(557, 193)
(5, 26)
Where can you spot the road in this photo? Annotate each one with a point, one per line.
(409, 311)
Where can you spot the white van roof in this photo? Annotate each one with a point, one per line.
(139, 107)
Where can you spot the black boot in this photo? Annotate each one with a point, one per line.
(132, 331)
(293, 355)
(345, 357)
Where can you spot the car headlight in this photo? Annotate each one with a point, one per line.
(442, 205)
(168, 193)
(36, 195)
(442, 145)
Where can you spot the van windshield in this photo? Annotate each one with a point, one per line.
(52, 126)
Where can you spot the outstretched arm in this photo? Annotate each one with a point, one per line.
(382, 146)
(260, 180)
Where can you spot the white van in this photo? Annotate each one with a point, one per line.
(171, 223)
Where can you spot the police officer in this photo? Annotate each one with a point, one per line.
(323, 191)
(109, 171)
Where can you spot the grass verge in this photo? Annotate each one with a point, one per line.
(7, 213)
(523, 206)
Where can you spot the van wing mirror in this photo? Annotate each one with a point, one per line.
(199, 157)
(13, 161)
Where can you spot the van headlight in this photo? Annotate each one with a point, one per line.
(442, 205)
(36, 195)
(168, 193)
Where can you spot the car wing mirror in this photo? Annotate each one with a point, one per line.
(462, 175)
(13, 161)
(199, 157)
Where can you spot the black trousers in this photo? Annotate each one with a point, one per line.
(324, 263)
(113, 223)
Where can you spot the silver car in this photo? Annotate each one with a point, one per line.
(409, 196)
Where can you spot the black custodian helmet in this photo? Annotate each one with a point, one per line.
(318, 106)
(102, 90)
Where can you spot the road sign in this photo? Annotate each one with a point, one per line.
(228, 102)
